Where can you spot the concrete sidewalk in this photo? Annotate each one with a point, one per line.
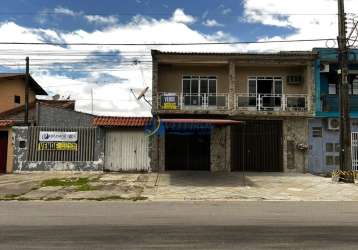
(173, 186)
(251, 186)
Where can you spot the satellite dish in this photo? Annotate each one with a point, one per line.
(142, 93)
(56, 97)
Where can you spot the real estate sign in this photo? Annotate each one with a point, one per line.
(57, 141)
(169, 101)
(57, 136)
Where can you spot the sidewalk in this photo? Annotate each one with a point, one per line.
(173, 186)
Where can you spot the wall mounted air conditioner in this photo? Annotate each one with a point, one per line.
(324, 68)
(333, 123)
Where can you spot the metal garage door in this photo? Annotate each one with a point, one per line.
(126, 150)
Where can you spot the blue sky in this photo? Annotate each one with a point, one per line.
(227, 13)
(111, 71)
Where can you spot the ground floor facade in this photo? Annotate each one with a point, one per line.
(278, 145)
(324, 144)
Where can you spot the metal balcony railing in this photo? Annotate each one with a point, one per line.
(185, 101)
(271, 102)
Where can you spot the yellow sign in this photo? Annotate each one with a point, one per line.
(58, 146)
(169, 105)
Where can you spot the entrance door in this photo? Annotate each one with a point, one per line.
(3, 151)
(187, 151)
(257, 146)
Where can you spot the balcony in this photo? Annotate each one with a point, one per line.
(330, 103)
(271, 102)
(184, 101)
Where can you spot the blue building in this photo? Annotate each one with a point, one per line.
(324, 143)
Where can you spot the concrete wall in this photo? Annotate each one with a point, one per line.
(8, 89)
(295, 132)
(243, 73)
(21, 163)
(317, 145)
(58, 117)
(220, 149)
(170, 76)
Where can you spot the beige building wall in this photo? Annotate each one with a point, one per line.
(242, 74)
(10, 150)
(170, 76)
(8, 90)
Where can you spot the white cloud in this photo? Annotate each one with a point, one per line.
(180, 17)
(212, 23)
(65, 11)
(226, 11)
(101, 19)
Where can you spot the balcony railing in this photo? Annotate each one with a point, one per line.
(271, 102)
(330, 103)
(185, 101)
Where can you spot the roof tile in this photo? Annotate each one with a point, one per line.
(121, 121)
(6, 123)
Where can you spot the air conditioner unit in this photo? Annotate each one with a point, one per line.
(333, 123)
(324, 68)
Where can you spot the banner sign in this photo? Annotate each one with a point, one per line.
(169, 101)
(58, 146)
(59, 136)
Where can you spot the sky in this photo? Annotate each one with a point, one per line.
(106, 74)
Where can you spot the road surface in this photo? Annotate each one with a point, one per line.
(181, 225)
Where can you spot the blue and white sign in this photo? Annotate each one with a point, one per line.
(58, 136)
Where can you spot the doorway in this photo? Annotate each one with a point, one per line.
(187, 151)
(257, 147)
(3, 151)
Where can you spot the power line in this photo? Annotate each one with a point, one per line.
(166, 44)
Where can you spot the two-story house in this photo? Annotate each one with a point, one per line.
(324, 129)
(232, 111)
(12, 95)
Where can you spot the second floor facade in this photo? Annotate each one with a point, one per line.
(327, 78)
(280, 84)
(12, 91)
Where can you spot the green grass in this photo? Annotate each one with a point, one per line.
(81, 184)
(65, 182)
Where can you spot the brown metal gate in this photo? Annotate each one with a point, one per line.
(257, 146)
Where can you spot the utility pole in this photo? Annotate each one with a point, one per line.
(27, 83)
(345, 127)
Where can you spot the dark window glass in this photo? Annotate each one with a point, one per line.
(337, 147)
(336, 160)
(17, 99)
(212, 86)
(329, 147)
(329, 160)
(194, 86)
(203, 86)
(186, 86)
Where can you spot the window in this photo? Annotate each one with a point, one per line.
(337, 147)
(17, 99)
(198, 89)
(317, 132)
(336, 160)
(332, 89)
(329, 160)
(329, 147)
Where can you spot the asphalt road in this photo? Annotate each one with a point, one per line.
(189, 225)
